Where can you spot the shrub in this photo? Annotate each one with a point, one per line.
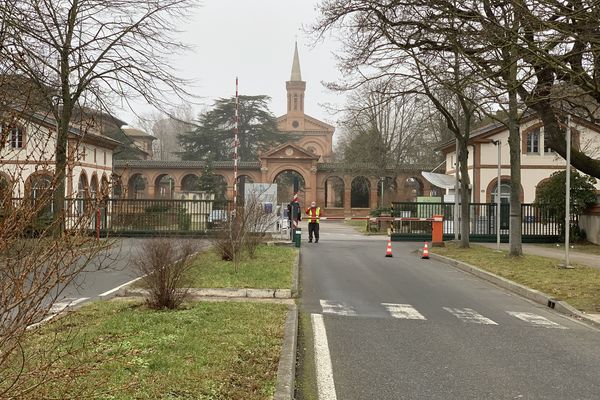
(164, 263)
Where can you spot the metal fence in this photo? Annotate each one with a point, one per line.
(127, 216)
(539, 223)
(137, 217)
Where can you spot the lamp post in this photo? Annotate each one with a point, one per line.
(498, 190)
(456, 186)
(568, 193)
(382, 179)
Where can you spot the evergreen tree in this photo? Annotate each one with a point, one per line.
(214, 132)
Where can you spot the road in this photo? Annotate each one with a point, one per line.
(107, 273)
(406, 328)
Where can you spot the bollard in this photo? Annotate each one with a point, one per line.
(298, 237)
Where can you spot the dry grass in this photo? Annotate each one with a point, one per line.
(580, 287)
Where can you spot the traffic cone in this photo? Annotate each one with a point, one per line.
(388, 250)
(425, 254)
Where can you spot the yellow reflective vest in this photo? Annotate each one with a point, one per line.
(313, 214)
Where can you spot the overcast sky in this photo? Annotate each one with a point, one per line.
(254, 40)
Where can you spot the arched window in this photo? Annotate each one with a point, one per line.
(504, 192)
(41, 193)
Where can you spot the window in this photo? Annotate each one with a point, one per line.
(14, 135)
(547, 148)
(16, 138)
(104, 157)
(95, 156)
(533, 142)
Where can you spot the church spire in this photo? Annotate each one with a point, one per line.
(296, 75)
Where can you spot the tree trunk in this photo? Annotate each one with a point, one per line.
(514, 141)
(465, 214)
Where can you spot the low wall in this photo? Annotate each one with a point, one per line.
(590, 222)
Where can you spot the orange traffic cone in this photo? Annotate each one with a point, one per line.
(388, 250)
(425, 254)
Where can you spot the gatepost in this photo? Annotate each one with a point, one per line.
(437, 231)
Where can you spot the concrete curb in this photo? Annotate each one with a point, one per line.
(219, 292)
(286, 371)
(524, 291)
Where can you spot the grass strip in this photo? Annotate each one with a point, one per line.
(271, 268)
(203, 351)
(580, 287)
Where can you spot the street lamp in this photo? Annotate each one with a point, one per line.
(498, 189)
(568, 192)
(382, 179)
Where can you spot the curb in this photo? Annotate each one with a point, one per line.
(220, 292)
(286, 370)
(524, 291)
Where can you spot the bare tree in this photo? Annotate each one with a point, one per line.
(87, 53)
(36, 267)
(396, 42)
(167, 128)
(384, 131)
(244, 230)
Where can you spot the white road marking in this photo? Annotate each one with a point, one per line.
(325, 384)
(403, 311)
(65, 303)
(57, 308)
(535, 319)
(119, 287)
(469, 315)
(338, 308)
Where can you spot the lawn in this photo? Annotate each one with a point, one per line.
(270, 269)
(204, 351)
(580, 287)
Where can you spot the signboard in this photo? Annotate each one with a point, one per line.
(265, 193)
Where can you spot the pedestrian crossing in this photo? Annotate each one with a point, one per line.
(408, 312)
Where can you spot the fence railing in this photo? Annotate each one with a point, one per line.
(126, 216)
(538, 222)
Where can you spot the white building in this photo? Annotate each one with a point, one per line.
(538, 161)
(27, 154)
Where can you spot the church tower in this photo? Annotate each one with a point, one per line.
(312, 135)
(295, 96)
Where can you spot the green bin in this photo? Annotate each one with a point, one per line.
(298, 237)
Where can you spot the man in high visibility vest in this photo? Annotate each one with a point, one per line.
(314, 213)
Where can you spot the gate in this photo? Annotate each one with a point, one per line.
(539, 223)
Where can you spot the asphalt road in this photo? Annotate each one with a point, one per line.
(107, 272)
(406, 328)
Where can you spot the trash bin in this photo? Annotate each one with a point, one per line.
(298, 237)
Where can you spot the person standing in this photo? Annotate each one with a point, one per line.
(314, 213)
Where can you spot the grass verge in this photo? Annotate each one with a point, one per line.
(203, 351)
(580, 287)
(271, 268)
(306, 379)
